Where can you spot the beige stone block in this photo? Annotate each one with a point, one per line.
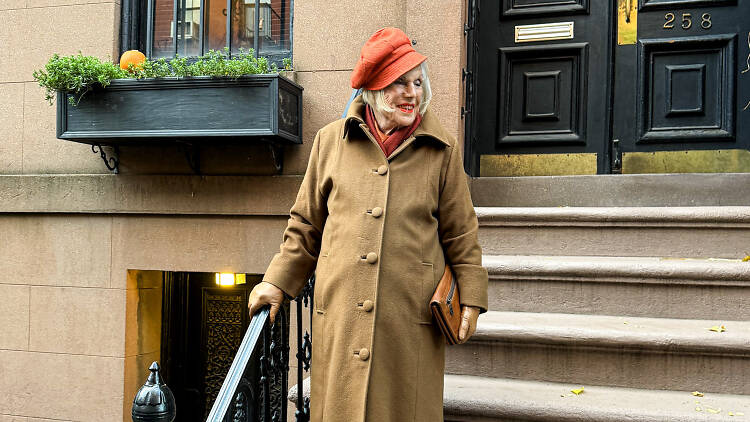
(143, 321)
(329, 35)
(14, 317)
(11, 36)
(45, 420)
(326, 95)
(60, 386)
(439, 36)
(210, 244)
(55, 3)
(32, 35)
(136, 374)
(11, 418)
(55, 250)
(11, 120)
(77, 320)
(43, 153)
(8, 5)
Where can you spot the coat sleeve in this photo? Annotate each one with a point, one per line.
(292, 266)
(458, 227)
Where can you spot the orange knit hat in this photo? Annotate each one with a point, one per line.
(387, 55)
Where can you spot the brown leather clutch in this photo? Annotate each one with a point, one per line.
(445, 306)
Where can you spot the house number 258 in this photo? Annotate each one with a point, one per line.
(687, 21)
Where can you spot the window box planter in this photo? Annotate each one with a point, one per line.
(197, 111)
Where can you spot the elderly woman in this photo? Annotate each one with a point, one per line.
(383, 206)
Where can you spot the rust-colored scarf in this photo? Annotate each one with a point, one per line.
(389, 143)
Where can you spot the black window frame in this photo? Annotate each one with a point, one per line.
(137, 22)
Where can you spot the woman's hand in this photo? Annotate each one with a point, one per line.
(265, 294)
(469, 315)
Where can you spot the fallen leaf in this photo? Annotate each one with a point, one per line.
(577, 391)
(712, 410)
(697, 394)
(739, 414)
(698, 409)
(745, 259)
(718, 329)
(731, 413)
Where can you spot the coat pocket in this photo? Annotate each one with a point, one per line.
(321, 282)
(424, 315)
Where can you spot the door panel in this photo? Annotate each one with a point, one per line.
(540, 7)
(681, 82)
(688, 90)
(534, 97)
(543, 94)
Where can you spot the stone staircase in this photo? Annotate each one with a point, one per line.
(618, 300)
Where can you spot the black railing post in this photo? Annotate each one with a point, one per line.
(154, 401)
(304, 350)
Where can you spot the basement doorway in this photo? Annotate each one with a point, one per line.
(203, 323)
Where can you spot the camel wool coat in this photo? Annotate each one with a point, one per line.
(377, 232)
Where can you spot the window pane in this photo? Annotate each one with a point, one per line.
(188, 28)
(275, 33)
(163, 31)
(216, 24)
(273, 25)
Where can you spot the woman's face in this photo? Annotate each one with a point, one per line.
(404, 95)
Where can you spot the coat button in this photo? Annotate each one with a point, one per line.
(364, 354)
(382, 170)
(372, 258)
(377, 212)
(367, 305)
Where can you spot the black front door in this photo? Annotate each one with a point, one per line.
(589, 86)
(542, 86)
(680, 86)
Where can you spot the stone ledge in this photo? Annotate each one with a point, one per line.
(469, 398)
(615, 332)
(472, 398)
(673, 271)
(659, 190)
(709, 216)
(158, 194)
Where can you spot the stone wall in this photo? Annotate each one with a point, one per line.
(81, 250)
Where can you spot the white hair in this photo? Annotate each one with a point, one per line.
(376, 99)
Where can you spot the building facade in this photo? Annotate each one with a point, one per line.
(84, 253)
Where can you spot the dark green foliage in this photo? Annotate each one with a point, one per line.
(79, 74)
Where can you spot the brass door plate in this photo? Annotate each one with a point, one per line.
(711, 161)
(537, 164)
(627, 22)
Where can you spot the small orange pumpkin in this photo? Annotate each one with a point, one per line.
(134, 57)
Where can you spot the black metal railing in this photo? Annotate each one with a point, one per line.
(255, 386)
(304, 349)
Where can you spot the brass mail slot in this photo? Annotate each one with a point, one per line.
(537, 164)
(544, 32)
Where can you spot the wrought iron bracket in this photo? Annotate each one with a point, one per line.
(112, 162)
(192, 155)
(277, 154)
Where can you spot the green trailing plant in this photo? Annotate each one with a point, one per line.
(79, 74)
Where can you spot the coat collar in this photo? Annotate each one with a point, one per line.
(430, 126)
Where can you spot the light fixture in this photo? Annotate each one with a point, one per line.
(230, 279)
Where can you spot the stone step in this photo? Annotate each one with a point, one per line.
(618, 190)
(652, 353)
(684, 232)
(472, 398)
(633, 286)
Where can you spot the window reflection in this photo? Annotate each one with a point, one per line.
(187, 28)
(273, 26)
